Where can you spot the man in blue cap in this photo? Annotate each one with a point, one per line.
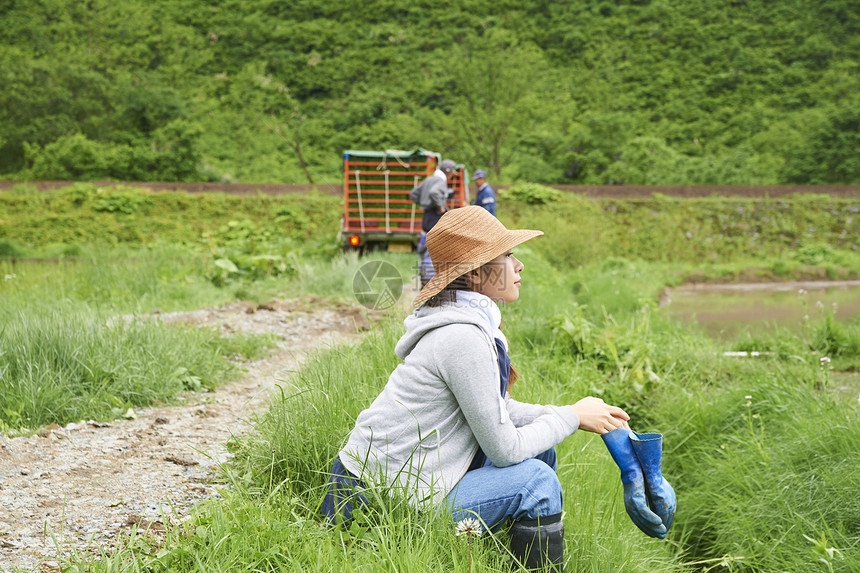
(486, 196)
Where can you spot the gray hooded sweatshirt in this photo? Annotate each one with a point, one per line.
(422, 431)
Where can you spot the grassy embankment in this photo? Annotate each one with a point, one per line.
(719, 239)
(760, 452)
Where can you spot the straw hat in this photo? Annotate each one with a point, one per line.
(463, 240)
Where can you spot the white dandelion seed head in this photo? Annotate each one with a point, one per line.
(469, 526)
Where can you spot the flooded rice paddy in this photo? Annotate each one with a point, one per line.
(724, 310)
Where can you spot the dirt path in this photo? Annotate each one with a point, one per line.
(77, 488)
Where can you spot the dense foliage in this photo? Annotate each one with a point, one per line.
(597, 91)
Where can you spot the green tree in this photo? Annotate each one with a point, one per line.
(496, 98)
(832, 151)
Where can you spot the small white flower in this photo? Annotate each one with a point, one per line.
(469, 526)
(10, 277)
(747, 397)
(801, 292)
(824, 360)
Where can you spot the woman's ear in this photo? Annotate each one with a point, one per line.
(473, 279)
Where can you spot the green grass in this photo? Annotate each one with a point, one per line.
(765, 485)
(269, 519)
(334, 277)
(125, 279)
(767, 468)
(37, 222)
(713, 238)
(140, 279)
(68, 355)
(59, 366)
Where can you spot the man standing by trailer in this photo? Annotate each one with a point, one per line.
(486, 196)
(432, 194)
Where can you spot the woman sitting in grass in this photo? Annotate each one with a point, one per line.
(445, 431)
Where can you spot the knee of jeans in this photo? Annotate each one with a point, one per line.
(543, 488)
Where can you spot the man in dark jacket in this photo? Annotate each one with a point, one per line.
(432, 194)
(486, 196)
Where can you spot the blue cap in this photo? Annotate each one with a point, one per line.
(479, 174)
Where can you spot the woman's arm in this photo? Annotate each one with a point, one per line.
(523, 413)
(594, 414)
(467, 363)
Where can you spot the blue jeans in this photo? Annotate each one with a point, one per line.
(343, 494)
(527, 490)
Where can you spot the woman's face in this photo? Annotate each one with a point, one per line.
(500, 278)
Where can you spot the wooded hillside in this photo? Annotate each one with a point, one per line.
(589, 92)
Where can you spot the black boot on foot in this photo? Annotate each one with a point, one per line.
(538, 544)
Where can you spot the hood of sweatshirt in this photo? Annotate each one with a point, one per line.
(427, 318)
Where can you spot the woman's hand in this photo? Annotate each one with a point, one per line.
(597, 416)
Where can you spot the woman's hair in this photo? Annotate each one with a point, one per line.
(513, 377)
(449, 293)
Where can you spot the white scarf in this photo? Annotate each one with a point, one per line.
(487, 307)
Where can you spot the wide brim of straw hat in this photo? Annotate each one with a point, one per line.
(463, 240)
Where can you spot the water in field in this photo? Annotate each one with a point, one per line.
(723, 310)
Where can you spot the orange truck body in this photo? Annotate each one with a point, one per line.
(377, 210)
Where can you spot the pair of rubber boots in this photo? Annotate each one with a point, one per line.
(538, 544)
(648, 498)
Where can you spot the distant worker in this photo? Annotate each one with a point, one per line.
(425, 265)
(486, 196)
(432, 194)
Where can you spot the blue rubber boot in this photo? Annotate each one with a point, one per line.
(621, 448)
(661, 496)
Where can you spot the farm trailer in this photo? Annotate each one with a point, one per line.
(377, 210)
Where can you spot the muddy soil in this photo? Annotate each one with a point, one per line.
(80, 488)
